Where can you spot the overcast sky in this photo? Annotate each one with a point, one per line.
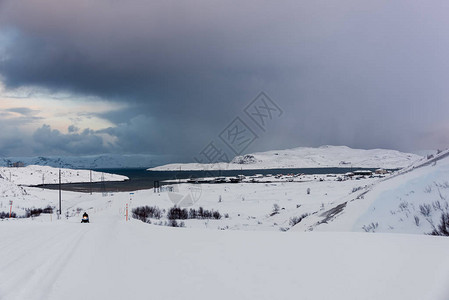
(168, 77)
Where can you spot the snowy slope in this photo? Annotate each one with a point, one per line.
(410, 201)
(10, 190)
(303, 157)
(19, 199)
(24, 198)
(34, 175)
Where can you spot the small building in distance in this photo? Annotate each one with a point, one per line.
(381, 171)
(363, 173)
(17, 164)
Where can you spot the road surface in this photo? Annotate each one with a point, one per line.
(114, 259)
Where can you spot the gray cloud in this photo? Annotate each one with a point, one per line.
(12, 139)
(361, 74)
(73, 129)
(25, 111)
(55, 142)
(18, 116)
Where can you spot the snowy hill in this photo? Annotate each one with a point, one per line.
(108, 161)
(34, 175)
(410, 201)
(303, 157)
(14, 182)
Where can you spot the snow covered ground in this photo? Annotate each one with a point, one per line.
(112, 259)
(408, 201)
(251, 205)
(245, 254)
(34, 175)
(304, 157)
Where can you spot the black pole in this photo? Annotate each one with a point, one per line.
(60, 211)
(91, 182)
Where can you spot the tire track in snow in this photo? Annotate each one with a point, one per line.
(40, 264)
(18, 248)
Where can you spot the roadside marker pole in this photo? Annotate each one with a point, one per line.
(90, 186)
(126, 211)
(60, 210)
(10, 209)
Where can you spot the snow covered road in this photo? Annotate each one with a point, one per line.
(113, 259)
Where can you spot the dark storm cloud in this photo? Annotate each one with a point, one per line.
(364, 74)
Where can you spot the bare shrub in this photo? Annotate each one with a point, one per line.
(35, 212)
(176, 213)
(5, 215)
(443, 185)
(371, 227)
(443, 227)
(417, 220)
(437, 205)
(403, 206)
(275, 210)
(425, 209)
(296, 220)
(174, 223)
(202, 213)
(357, 189)
(143, 213)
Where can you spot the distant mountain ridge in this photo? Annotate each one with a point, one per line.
(307, 157)
(106, 161)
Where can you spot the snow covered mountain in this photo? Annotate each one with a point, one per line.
(107, 161)
(304, 157)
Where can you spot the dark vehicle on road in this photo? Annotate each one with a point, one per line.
(85, 218)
